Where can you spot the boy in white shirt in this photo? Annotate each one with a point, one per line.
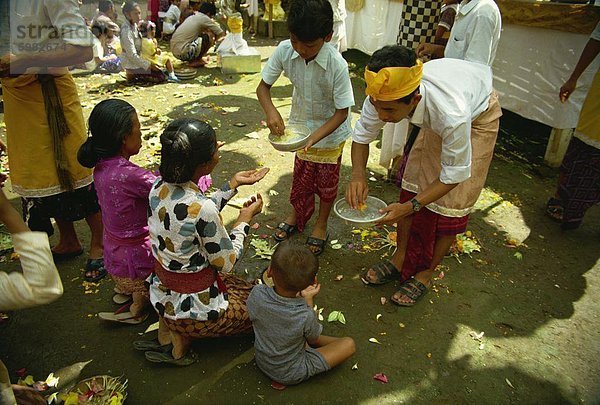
(445, 170)
(321, 100)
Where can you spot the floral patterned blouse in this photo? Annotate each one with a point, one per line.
(188, 235)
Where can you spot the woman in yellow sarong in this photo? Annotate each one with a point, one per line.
(45, 126)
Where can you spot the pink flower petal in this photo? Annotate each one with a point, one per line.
(381, 377)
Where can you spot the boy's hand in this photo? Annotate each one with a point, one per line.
(394, 212)
(567, 89)
(248, 177)
(311, 291)
(275, 122)
(309, 144)
(356, 192)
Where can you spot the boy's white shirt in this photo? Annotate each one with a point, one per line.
(448, 107)
(476, 32)
(320, 87)
(39, 283)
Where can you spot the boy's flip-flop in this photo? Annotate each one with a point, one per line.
(412, 289)
(167, 358)
(284, 227)
(152, 345)
(318, 243)
(123, 317)
(277, 386)
(96, 265)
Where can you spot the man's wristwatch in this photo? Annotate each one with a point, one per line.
(416, 205)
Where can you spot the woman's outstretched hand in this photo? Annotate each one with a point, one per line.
(251, 208)
(248, 177)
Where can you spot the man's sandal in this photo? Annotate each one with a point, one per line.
(384, 273)
(284, 227)
(152, 345)
(412, 289)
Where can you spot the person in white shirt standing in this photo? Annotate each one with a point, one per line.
(474, 36)
(444, 172)
(338, 40)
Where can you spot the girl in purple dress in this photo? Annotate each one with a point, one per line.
(122, 189)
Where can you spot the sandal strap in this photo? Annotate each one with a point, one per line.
(413, 289)
(385, 269)
(316, 242)
(287, 228)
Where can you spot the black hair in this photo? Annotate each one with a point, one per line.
(99, 28)
(394, 56)
(128, 6)
(109, 123)
(295, 265)
(186, 144)
(105, 5)
(310, 20)
(144, 27)
(208, 8)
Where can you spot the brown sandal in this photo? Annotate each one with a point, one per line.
(412, 289)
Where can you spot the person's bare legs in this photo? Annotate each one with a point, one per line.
(94, 221)
(181, 345)
(335, 350)
(402, 235)
(169, 66)
(441, 248)
(164, 333)
(320, 229)
(68, 241)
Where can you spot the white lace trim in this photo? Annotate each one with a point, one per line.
(438, 209)
(47, 192)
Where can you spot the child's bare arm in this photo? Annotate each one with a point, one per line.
(274, 120)
(326, 129)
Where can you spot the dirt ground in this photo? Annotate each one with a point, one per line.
(537, 303)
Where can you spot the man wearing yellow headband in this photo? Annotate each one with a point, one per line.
(454, 105)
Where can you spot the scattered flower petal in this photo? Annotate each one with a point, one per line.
(339, 277)
(255, 225)
(381, 377)
(378, 317)
(519, 255)
(402, 325)
(337, 246)
(273, 192)
(373, 340)
(383, 300)
(509, 383)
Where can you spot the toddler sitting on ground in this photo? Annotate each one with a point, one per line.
(151, 52)
(289, 345)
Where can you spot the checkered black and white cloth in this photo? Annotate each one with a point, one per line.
(419, 22)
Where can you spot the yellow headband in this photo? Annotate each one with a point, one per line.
(393, 83)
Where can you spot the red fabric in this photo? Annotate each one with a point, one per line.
(153, 8)
(425, 228)
(189, 283)
(312, 179)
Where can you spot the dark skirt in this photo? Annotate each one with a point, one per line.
(579, 183)
(68, 206)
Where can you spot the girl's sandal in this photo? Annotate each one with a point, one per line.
(284, 227)
(412, 289)
(384, 273)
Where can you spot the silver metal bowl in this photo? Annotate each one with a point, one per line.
(301, 134)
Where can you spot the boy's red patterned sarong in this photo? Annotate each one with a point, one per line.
(310, 179)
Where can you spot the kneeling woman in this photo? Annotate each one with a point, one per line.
(191, 289)
(135, 66)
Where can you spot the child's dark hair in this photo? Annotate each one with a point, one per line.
(105, 5)
(109, 123)
(295, 265)
(145, 26)
(128, 6)
(310, 20)
(99, 28)
(186, 144)
(394, 56)
(208, 8)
